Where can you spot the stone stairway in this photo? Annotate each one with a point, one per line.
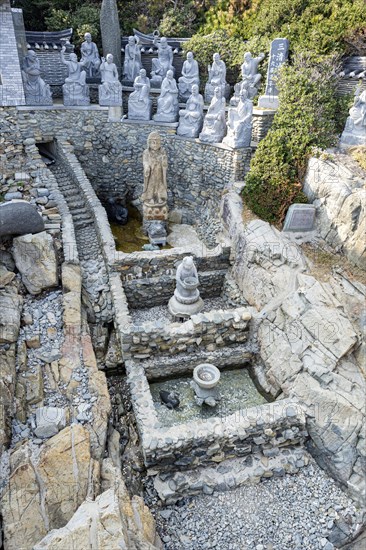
(96, 292)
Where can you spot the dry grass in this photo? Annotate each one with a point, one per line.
(359, 155)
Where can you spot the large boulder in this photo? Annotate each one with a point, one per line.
(47, 486)
(19, 218)
(35, 259)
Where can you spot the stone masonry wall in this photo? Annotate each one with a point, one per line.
(11, 84)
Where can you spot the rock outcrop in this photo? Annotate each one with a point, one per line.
(19, 218)
(35, 259)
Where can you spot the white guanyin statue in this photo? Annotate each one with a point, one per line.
(191, 118)
(214, 124)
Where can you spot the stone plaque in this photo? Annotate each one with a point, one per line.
(278, 56)
(300, 217)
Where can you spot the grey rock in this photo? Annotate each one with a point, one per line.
(49, 421)
(19, 218)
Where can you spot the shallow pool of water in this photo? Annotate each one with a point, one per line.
(237, 391)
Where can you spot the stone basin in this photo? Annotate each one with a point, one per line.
(206, 375)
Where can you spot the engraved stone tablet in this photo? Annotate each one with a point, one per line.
(300, 217)
(278, 56)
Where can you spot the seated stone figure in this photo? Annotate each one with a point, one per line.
(216, 78)
(190, 76)
(139, 102)
(132, 63)
(162, 64)
(354, 132)
(191, 118)
(90, 56)
(186, 300)
(239, 122)
(110, 91)
(75, 90)
(214, 125)
(167, 110)
(116, 212)
(250, 75)
(37, 92)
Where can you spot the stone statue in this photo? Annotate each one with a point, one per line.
(250, 75)
(132, 63)
(110, 91)
(168, 107)
(191, 118)
(190, 76)
(139, 102)
(354, 132)
(216, 78)
(37, 92)
(75, 90)
(162, 64)
(155, 166)
(116, 212)
(90, 56)
(239, 123)
(186, 300)
(214, 125)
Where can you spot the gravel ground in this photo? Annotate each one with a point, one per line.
(156, 313)
(301, 512)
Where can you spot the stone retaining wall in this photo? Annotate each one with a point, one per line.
(203, 332)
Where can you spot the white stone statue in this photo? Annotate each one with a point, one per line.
(214, 125)
(110, 91)
(162, 64)
(250, 75)
(190, 76)
(239, 123)
(191, 118)
(75, 90)
(155, 165)
(354, 132)
(186, 300)
(139, 102)
(168, 107)
(37, 92)
(216, 78)
(90, 56)
(132, 63)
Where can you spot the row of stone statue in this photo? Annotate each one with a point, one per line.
(212, 128)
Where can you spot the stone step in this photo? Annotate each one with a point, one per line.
(228, 474)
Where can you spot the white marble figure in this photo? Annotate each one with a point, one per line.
(214, 125)
(239, 123)
(191, 118)
(216, 78)
(37, 92)
(75, 90)
(110, 91)
(90, 56)
(139, 102)
(354, 132)
(132, 63)
(250, 75)
(186, 300)
(168, 107)
(190, 76)
(162, 64)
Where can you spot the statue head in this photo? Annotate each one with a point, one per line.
(188, 262)
(154, 141)
(194, 89)
(87, 37)
(170, 74)
(247, 56)
(216, 57)
(217, 92)
(189, 56)
(73, 57)
(243, 93)
(131, 40)
(109, 58)
(32, 54)
(163, 42)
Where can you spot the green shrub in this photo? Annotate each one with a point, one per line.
(310, 115)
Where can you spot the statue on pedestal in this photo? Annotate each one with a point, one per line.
(75, 90)
(354, 132)
(239, 123)
(110, 91)
(186, 300)
(216, 78)
(191, 118)
(250, 75)
(168, 107)
(162, 64)
(190, 76)
(139, 102)
(214, 125)
(132, 63)
(155, 196)
(37, 92)
(90, 56)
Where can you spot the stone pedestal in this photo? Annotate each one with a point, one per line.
(268, 102)
(353, 134)
(115, 113)
(186, 301)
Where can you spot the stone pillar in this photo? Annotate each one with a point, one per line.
(11, 83)
(111, 33)
(278, 55)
